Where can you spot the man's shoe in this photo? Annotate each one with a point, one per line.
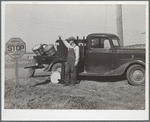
(61, 81)
(73, 84)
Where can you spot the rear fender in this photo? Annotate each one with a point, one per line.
(54, 62)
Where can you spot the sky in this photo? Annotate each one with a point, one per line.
(43, 23)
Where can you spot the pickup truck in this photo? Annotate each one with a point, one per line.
(100, 55)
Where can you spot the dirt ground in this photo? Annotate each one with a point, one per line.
(103, 93)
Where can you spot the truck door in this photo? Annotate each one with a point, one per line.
(99, 56)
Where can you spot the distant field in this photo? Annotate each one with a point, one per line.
(26, 53)
(9, 62)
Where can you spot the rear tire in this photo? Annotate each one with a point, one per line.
(136, 75)
(31, 72)
(56, 67)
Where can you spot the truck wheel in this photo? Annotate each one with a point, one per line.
(56, 67)
(31, 72)
(136, 75)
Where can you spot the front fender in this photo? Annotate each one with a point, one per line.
(128, 64)
(136, 62)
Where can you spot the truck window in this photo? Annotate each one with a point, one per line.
(106, 44)
(115, 41)
(95, 43)
(100, 43)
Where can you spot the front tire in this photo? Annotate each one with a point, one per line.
(31, 72)
(136, 75)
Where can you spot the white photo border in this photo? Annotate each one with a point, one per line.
(43, 115)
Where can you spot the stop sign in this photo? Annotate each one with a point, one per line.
(15, 47)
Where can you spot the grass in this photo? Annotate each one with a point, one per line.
(86, 95)
(33, 99)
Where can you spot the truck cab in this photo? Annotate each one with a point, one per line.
(99, 54)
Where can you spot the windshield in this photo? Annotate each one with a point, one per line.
(115, 41)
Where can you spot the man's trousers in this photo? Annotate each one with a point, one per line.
(70, 75)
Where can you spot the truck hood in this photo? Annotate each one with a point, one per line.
(132, 47)
(131, 52)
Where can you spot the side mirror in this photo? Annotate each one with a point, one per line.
(59, 37)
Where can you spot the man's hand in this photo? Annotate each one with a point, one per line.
(60, 36)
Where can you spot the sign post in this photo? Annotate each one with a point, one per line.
(16, 72)
(16, 48)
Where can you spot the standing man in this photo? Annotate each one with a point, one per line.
(72, 61)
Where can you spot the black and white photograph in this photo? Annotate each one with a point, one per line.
(74, 60)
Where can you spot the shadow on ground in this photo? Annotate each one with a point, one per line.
(91, 78)
(103, 78)
(40, 76)
(42, 83)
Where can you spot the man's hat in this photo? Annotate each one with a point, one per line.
(70, 38)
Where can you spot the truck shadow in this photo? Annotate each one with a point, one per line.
(102, 78)
(42, 83)
(91, 78)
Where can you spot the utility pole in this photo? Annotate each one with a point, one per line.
(119, 23)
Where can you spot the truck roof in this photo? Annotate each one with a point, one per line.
(102, 34)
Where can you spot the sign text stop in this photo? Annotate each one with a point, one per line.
(15, 48)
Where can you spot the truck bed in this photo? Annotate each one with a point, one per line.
(45, 59)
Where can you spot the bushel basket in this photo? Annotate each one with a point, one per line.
(38, 50)
(49, 50)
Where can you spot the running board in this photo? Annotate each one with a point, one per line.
(97, 74)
